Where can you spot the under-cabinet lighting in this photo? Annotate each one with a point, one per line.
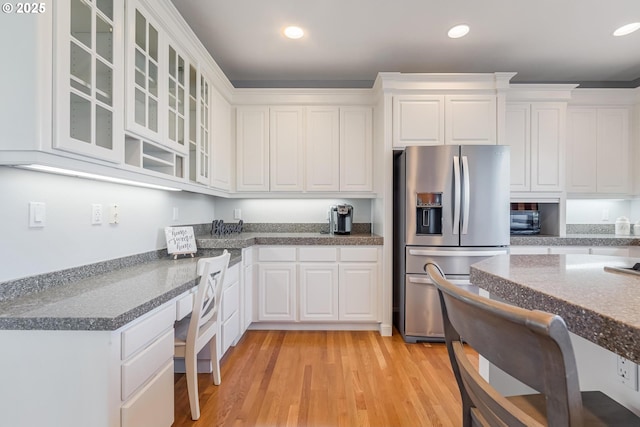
(68, 172)
(627, 29)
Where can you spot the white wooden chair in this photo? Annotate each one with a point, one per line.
(194, 332)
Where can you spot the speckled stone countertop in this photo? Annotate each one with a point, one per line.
(104, 301)
(246, 239)
(598, 305)
(576, 240)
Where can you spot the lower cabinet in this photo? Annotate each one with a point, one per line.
(310, 284)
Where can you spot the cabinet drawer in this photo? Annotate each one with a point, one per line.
(230, 331)
(153, 405)
(139, 369)
(276, 254)
(247, 257)
(318, 254)
(232, 275)
(138, 336)
(184, 306)
(230, 300)
(359, 254)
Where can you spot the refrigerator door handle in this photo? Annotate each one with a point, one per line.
(456, 194)
(427, 281)
(467, 195)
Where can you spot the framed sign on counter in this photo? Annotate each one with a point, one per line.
(180, 241)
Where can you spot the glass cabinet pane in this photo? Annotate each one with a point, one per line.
(153, 114)
(172, 62)
(153, 79)
(141, 69)
(104, 39)
(140, 108)
(80, 69)
(80, 118)
(153, 43)
(104, 83)
(106, 7)
(104, 126)
(81, 22)
(141, 31)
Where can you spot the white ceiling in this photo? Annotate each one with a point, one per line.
(348, 42)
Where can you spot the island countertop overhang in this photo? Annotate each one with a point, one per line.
(600, 306)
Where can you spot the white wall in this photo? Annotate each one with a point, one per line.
(289, 210)
(591, 211)
(69, 239)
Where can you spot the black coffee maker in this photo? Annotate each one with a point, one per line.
(341, 218)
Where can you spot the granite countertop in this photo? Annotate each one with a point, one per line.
(598, 305)
(105, 301)
(246, 239)
(576, 240)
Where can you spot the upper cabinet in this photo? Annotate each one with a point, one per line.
(88, 78)
(304, 149)
(536, 133)
(444, 119)
(598, 150)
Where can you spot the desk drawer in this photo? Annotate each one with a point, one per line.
(139, 369)
(230, 300)
(153, 405)
(144, 332)
(184, 305)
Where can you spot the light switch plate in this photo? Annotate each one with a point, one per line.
(37, 214)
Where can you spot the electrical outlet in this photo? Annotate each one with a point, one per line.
(237, 214)
(628, 373)
(96, 214)
(176, 213)
(605, 214)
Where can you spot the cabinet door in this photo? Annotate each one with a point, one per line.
(286, 146)
(518, 137)
(203, 154)
(613, 150)
(356, 149)
(276, 292)
(318, 292)
(177, 85)
(221, 143)
(143, 73)
(547, 146)
(89, 84)
(582, 157)
(358, 292)
(418, 120)
(470, 119)
(322, 149)
(252, 144)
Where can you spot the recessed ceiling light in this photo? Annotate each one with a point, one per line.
(293, 32)
(458, 31)
(627, 29)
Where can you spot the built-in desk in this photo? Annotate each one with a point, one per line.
(601, 309)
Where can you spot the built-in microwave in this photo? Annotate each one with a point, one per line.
(525, 221)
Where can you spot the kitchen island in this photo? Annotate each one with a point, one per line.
(601, 309)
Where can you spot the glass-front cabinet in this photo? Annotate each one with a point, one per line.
(89, 84)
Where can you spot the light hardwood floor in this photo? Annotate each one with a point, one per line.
(295, 378)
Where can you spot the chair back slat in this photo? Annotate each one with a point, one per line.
(206, 307)
(532, 346)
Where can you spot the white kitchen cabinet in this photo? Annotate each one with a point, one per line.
(444, 119)
(200, 124)
(286, 148)
(418, 120)
(221, 143)
(318, 292)
(88, 78)
(230, 309)
(322, 149)
(277, 292)
(598, 150)
(252, 145)
(537, 133)
(356, 149)
(248, 283)
(470, 119)
(358, 292)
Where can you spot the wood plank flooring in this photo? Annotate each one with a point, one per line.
(326, 378)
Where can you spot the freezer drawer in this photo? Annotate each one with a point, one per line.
(453, 261)
(423, 316)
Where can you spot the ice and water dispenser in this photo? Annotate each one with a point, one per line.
(429, 213)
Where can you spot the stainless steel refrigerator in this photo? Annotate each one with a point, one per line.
(451, 207)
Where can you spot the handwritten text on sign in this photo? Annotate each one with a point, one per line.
(180, 240)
